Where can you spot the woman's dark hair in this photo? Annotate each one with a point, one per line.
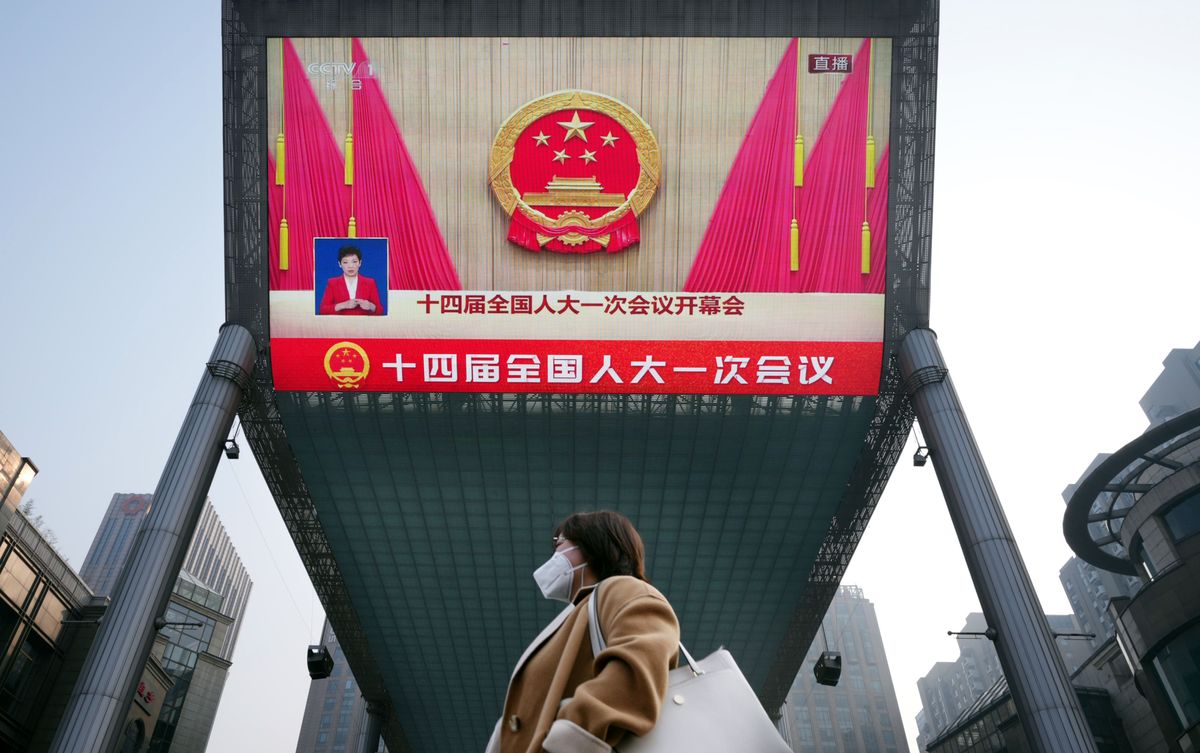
(345, 251)
(608, 540)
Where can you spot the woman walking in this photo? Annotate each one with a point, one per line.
(561, 698)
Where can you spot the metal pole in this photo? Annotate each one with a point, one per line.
(368, 741)
(102, 696)
(1041, 689)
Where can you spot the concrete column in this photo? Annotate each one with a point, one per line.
(104, 691)
(1041, 689)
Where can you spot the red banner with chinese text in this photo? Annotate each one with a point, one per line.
(577, 366)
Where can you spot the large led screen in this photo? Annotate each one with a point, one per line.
(638, 215)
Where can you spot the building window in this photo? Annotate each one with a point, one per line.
(50, 615)
(1177, 667)
(133, 736)
(1183, 519)
(824, 724)
(803, 725)
(1142, 557)
(19, 692)
(16, 580)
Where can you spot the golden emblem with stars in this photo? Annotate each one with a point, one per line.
(575, 127)
(347, 364)
(574, 169)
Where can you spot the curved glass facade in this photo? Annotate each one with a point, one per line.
(1183, 519)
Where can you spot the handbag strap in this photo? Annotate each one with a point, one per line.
(596, 633)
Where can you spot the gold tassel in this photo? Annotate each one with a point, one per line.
(795, 237)
(279, 159)
(799, 168)
(350, 160)
(870, 162)
(283, 244)
(352, 229)
(866, 248)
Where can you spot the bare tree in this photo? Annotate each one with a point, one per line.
(35, 518)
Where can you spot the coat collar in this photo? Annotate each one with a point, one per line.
(552, 628)
(584, 591)
(542, 637)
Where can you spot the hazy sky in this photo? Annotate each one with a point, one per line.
(1065, 267)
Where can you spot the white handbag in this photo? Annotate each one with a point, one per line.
(709, 708)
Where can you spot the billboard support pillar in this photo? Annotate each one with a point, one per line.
(103, 694)
(1041, 689)
(368, 741)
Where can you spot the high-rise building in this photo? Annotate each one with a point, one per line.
(335, 713)
(951, 688)
(212, 561)
(113, 541)
(1177, 388)
(1089, 590)
(860, 712)
(203, 616)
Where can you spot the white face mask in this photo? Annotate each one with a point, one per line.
(557, 576)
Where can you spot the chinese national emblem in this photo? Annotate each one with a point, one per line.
(347, 364)
(574, 169)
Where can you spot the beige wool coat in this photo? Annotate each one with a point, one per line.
(561, 699)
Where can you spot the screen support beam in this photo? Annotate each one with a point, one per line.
(368, 741)
(1041, 689)
(100, 701)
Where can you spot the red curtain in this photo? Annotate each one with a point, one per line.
(389, 198)
(833, 202)
(877, 212)
(746, 246)
(317, 197)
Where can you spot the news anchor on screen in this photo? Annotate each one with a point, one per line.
(350, 294)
